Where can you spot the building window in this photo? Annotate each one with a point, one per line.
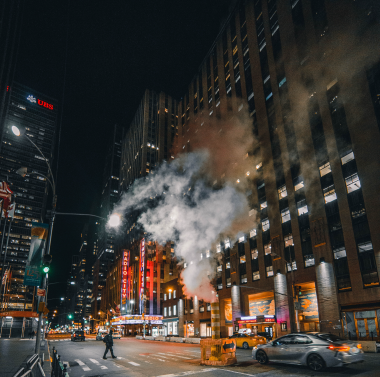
(291, 266)
(256, 275)
(282, 192)
(353, 183)
(347, 158)
(228, 265)
(165, 312)
(309, 260)
(218, 248)
(302, 210)
(174, 309)
(207, 253)
(268, 249)
(201, 309)
(252, 233)
(228, 282)
(329, 194)
(339, 253)
(298, 186)
(265, 225)
(242, 259)
(324, 169)
(263, 205)
(285, 215)
(243, 279)
(254, 254)
(219, 269)
(174, 294)
(227, 243)
(269, 271)
(209, 307)
(288, 240)
(242, 239)
(170, 311)
(165, 298)
(170, 295)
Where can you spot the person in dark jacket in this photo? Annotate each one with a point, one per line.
(108, 340)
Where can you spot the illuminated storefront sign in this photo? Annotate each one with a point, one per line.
(124, 277)
(257, 319)
(137, 319)
(142, 274)
(33, 99)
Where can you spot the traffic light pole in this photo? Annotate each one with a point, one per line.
(43, 299)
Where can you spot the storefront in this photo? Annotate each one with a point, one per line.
(134, 324)
(189, 329)
(205, 327)
(264, 325)
(170, 326)
(308, 313)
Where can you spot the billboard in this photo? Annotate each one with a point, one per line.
(124, 280)
(142, 275)
(33, 274)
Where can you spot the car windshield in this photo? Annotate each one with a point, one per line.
(329, 337)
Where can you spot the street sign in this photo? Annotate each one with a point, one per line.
(41, 292)
(228, 345)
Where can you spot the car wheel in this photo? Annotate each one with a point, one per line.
(245, 345)
(315, 362)
(261, 357)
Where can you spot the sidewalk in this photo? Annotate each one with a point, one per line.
(14, 352)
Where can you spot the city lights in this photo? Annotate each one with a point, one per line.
(114, 220)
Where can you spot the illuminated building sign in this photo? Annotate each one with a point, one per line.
(256, 319)
(124, 277)
(33, 99)
(137, 319)
(142, 274)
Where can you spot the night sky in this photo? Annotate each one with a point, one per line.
(116, 50)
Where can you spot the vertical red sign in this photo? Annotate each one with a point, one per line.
(142, 274)
(124, 277)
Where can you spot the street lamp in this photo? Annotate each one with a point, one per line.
(114, 220)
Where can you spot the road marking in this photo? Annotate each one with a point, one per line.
(157, 358)
(83, 365)
(245, 374)
(103, 367)
(80, 362)
(190, 372)
(174, 354)
(135, 364)
(95, 361)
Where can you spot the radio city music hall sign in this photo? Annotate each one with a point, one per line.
(33, 99)
(124, 276)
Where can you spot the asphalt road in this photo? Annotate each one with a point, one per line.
(139, 358)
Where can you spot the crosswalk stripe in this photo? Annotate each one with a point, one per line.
(83, 365)
(80, 362)
(95, 361)
(135, 364)
(182, 357)
(103, 367)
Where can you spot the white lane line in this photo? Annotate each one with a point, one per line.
(135, 364)
(157, 358)
(182, 357)
(187, 373)
(95, 361)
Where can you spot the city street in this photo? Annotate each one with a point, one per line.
(138, 358)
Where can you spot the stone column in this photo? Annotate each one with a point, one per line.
(281, 299)
(235, 302)
(196, 317)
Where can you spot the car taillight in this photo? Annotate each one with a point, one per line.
(339, 348)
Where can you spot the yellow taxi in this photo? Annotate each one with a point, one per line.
(248, 340)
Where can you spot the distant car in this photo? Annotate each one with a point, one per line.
(317, 351)
(116, 335)
(246, 341)
(100, 335)
(78, 335)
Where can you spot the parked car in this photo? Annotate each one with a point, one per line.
(246, 341)
(78, 335)
(116, 335)
(317, 351)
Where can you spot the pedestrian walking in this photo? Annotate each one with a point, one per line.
(108, 340)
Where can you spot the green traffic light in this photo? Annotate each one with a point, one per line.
(46, 269)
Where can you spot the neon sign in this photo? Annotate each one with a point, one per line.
(142, 274)
(124, 276)
(33, 99)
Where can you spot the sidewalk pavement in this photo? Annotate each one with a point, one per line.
(15, 351)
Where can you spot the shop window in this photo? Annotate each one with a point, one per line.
(254, 254)
(325, 169)
(353, 183)
(285, 215)
(243, 279)
(348, 157)
(165, 312)
(242, 259)
(269, 271)
(256, 275)
(288, 240)
(267, 249)
(282, 192)
(174, 309)
(265, 225)
(340, 253)
(329, 194)
(253, 233)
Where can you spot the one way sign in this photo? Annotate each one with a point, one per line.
(228, 345)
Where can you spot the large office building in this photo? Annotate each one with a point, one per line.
(37, 114)
(312, 263)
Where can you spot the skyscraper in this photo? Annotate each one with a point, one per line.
(37, 113)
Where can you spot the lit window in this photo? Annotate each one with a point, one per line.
(329, 194)
(340, 253)
(269, 271)
(256, 275)
(298, 186)
(347, 158)
(263, 205)
(228, 282)
(353, 183)
(220, 286)
(367, 246)
(219, 269)
(309, 260)
(268, 249)
(201, 309)
(288, 240)
(207, 253)
(174, 294)
(209, 307)
(252, 233)
(218, 248)
(259, 165)
(165, 298)
(228, 265)
(242, 259)
(291, 266)
(254, 254)
(282, 192)
(265, 225)
(165, 312)
(242, 239)
(227, 244)
(324, 169)
(174, 309)
(243, 279)
(170, 311)
(170, 295)
(285, 215)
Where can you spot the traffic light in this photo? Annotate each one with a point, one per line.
(46, 263)
(298, 290)
(70, 316)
